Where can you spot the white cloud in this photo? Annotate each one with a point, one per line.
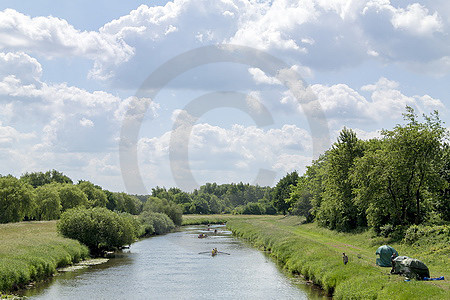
(54, 37)
(416, 20)
(21, 65)
(341, 103)
(86, 123)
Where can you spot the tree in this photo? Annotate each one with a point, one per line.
(48, 202)
(71, 196)
(396, 180)
(169, 208)
(282, 191)
(300, 199)
(16, 199)
(96, 196)
(337, 210)
(37, 179)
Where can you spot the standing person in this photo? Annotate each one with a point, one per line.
(393, 256)
(344, 258)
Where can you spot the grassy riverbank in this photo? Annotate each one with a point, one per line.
(316, 253)
(31, 251)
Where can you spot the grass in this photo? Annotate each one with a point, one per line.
(216, 219)
(316, 253)
(31, 251)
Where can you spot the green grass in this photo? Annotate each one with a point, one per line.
(31, 251)
(316, 253)
(217, 219)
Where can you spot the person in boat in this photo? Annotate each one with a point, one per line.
(215, 230)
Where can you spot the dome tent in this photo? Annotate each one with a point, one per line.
(384, 254)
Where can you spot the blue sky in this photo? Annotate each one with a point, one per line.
(70, 70)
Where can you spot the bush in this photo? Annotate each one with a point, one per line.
(156, 223)
(171, 209)
(427, 234)
(98, 228)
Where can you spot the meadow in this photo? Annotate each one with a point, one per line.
(31, 251)
(316, 254)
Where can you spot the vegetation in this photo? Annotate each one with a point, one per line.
(31, 251)
(98, 228)
(387, 184)
(317, 254)
(156, 223)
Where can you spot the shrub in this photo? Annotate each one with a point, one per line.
(171, 209)
(98, 228)
(156, 223)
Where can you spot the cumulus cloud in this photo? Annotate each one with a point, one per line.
(86, 123)
(238, 150)
(341, 103)
(54, 37)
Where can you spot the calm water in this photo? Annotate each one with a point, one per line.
(170, 267)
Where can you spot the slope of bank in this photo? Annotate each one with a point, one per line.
(316, 253)
(31, 251)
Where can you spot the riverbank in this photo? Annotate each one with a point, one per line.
(316, 253)
(31, 251)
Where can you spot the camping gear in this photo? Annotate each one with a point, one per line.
(384, 255)
(411, 267)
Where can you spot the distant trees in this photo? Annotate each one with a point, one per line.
(39, 178)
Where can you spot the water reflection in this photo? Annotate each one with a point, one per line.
(170, 267)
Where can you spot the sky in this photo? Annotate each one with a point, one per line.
(136, 94)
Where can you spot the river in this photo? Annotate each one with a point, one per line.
(173, 266)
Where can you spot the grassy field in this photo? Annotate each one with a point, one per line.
(316, 253)
(31, 251)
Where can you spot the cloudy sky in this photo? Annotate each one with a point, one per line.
(73, 72)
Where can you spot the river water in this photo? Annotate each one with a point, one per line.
(173, 266)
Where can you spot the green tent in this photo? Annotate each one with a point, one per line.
(384, 254)
(410, 267)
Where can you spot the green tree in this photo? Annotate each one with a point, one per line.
(48, 202)
(174, 211)
(16, 199)
(300, 199)
(71, 196)
(282, 191)
(395, 180)
(338, 210)
(37, 179)
(96, 196)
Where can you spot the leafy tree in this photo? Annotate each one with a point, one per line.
(282, 191)
(337, 210)
(300, 199)
(395, 180)
(96, 196)
(16, 199)
(71, 196)
(171, 209)
(48, 202)
(37, 179)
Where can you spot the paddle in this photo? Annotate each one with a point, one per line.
(204, 252)
(223, 252)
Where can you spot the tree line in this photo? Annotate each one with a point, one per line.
(386, 183)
